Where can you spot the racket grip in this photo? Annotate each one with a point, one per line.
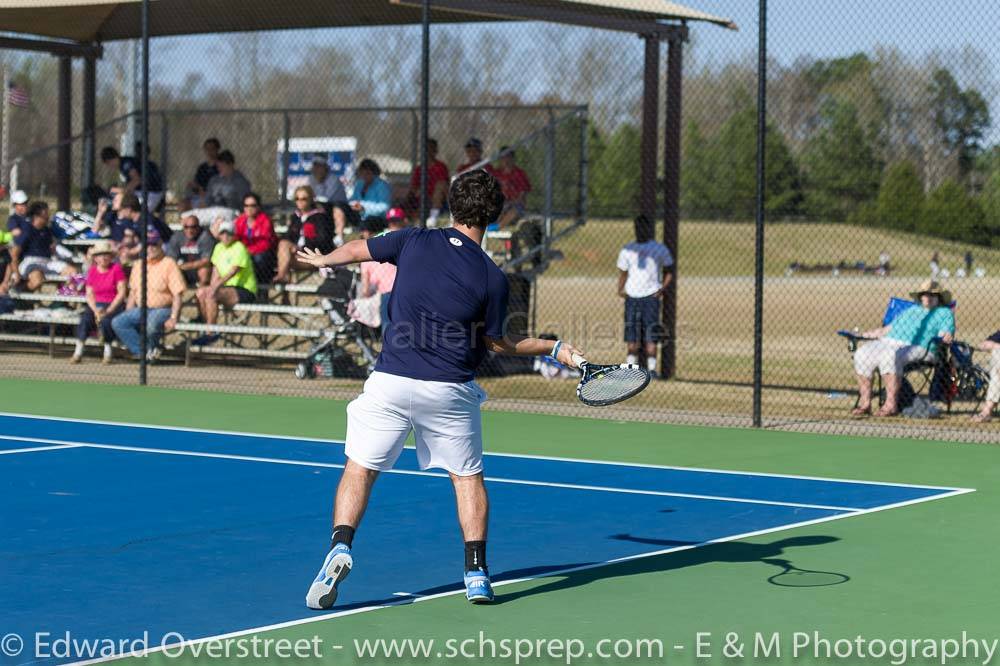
(578, 360)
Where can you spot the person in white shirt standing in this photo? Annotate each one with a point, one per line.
(645, 269)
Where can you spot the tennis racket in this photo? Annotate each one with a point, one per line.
(603, 385)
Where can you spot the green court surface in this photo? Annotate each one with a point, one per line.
(923, 572)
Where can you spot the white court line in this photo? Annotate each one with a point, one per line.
(549, 574)
(500, 455)
(522, 482)
(5, 452)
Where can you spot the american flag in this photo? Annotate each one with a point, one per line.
(17, 96)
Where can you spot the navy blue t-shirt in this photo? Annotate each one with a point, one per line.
(16, 221)
(35, 242)
(154, 181)
(448, 296)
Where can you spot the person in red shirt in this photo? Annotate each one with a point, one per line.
(437, 185)
(255, 230)
(473, 156)
(515, 185)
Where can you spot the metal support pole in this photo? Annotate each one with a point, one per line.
(64, 153)
(144, 220)
(550, 159)
(89, 121)
(671, 193)
(758, 278)
(414, 138)
(583, 203)
(5, 139)
(164, 150)
(425, 96)
(650, 120)
(286, 158)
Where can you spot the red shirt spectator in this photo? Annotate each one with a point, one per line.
(259, 237)
(514, 182)
(437, 173)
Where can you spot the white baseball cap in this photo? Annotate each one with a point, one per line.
(227, 226)
(18, 197)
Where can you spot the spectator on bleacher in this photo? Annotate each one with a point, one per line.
(111, 221)
(6, 265)
(130, 169)
(645, 270)
(194, 194)
(379, 278)
(192, 250)
(18, 220)
(164, 288)
(255, 230)
(34, 251)
(228, 187)
(437, 186)
(473, 156)
(329, 191)
(308, 227)
(515, 184)
(106, 291)
(233, 279)
(909, 337)
(372, 195)
(129, 249)
(130, 216)
(991, 345)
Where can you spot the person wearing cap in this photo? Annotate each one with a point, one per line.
(164, 288)
(437, 185)
(912, 336)
(228, 187)
(106, 292)
(329, 191)
(192, 250)
(18, 220)
(515, 185)
(473, 156)
(33, 251)
(233, 278)
(372, 195)
(130, 169)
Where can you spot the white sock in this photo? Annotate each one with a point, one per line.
(651, 363)
(631, 359)
(107, 350)
(79, 348)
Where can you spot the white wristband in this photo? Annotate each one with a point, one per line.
(555, 349)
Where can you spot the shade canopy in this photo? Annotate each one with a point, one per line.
(90, 21)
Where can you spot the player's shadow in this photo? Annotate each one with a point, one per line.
(787, 575)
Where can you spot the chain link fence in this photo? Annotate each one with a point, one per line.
(882, 171)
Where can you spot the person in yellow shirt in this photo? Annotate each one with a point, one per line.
(233, 279)
(6, 240)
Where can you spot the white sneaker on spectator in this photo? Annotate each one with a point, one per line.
(338, 240)
(108, 355)
(153, 355)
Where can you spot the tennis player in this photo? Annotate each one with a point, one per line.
(447, 309)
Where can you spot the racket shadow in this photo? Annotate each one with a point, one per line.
(732, 552)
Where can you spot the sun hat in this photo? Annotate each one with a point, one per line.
(102, 247)
(932, 287)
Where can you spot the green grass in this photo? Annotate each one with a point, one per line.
(724, 249)
(923, 571)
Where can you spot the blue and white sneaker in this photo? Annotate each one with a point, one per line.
(323, 591)
(478, 588)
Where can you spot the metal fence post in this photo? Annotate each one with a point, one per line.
(582, 201)
(285, 156)
(758, 297)
(164, 148)
(550, 154)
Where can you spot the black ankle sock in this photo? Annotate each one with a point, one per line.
(475, 555)
(342, 534)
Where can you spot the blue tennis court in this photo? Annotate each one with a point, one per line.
(112, 530)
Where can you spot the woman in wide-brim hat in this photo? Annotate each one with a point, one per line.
(911, 336)
(106, 290)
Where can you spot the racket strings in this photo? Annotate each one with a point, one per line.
(613, 384)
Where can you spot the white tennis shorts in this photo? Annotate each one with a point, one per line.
(443, 416)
